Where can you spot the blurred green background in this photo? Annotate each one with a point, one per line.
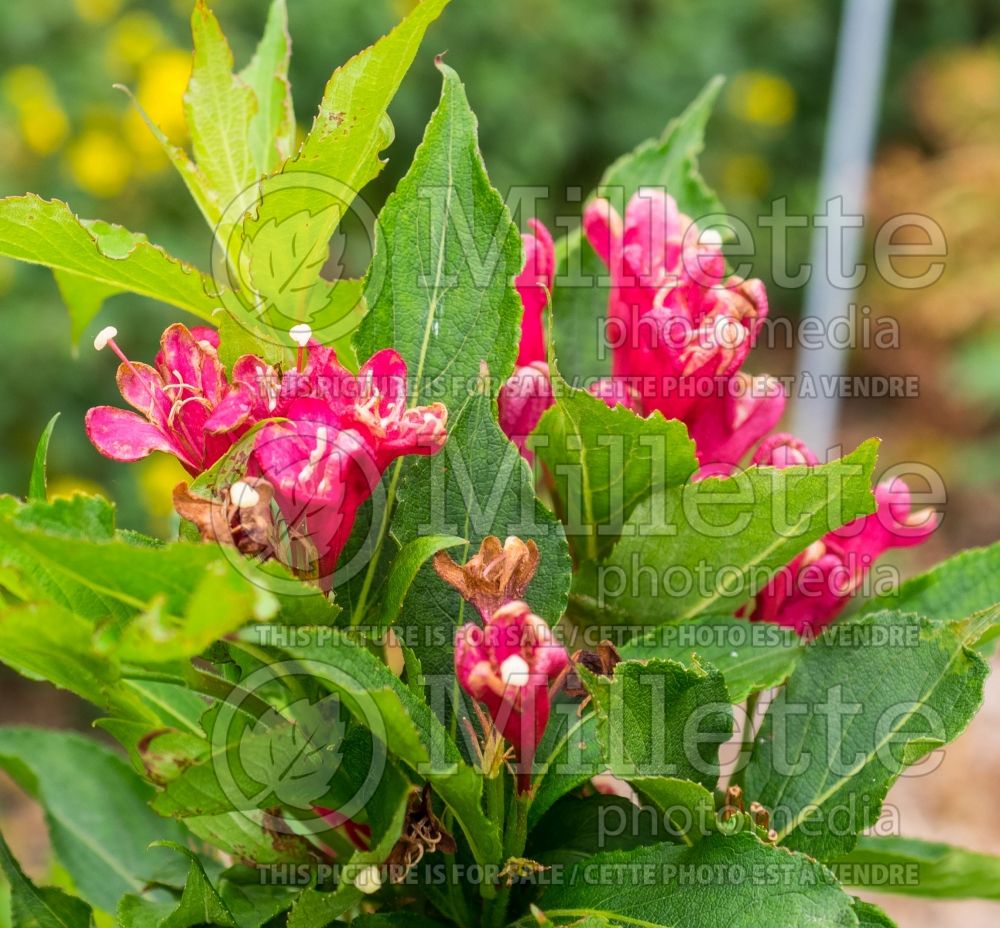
(561, 87)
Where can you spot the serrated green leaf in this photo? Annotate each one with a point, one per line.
(310, 194)
(440, 290)
(572, 753)
(478, 485)
(966, 583)
(46, 232)
(649, 715)
(200, 903)
(604, 462)
(272, 128)
(45, 907)
(661, 886)
(219, 108)
(751, 656)
(721, 539)
(36, 485)
(84, 299)
(96, 810)
(870, 916)
(913, 867)
(867, 699)
(580, 298)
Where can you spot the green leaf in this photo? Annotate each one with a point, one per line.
(604, 462)
(381, 702)
(713, 544)
(272, 129)
(440, 289)
(966, 583)
(868, 699)
(36, 486)
(96, 810)
(661, 886)
(573, 754)
(46, 232)
(310, 194)
(580, 299)
(870, 916)
(478, 485)
(34, 907)
(83, 298)
(752, 656)
(661, 718)
(219, 108)
(47, 642)
(404, 569)
(913, 867)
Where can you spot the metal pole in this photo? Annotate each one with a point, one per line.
(847, 154)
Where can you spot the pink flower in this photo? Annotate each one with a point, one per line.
(679, 329)
(343, 431)
(184, 403)
(534, 285)
(811, 591)
(522, 400)
(508, 665)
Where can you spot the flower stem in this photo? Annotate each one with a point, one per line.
(514, 839)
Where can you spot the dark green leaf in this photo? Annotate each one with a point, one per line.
(36, 486)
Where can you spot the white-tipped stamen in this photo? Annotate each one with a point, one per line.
(514, 671)
(710, 238)
(243, 495)
(368, 880)
(301, 334)
(102, 338)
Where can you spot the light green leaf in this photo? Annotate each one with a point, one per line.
(440, 288)
(272, 129)
(36, 485)
(604, 462)
(868, 699)
(615, 886)
(580, 298)
(922, 868)
(752, 656)
(713, 544)
(46, 232)
(404, 569)
(96, 810)
(966, 583)
(219, 108)
(45, 907)
(870, 916)
(310, 194)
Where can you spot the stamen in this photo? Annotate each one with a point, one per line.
(514, 671)
(243, 495)
(106, 337)
(300, 334)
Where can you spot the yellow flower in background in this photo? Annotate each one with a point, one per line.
(97, 11)
(132, 39)
(41, 120)
(163, 78)
(762, 98)
(65, 486)
(746, 176)
(99, 162)
(158, 475)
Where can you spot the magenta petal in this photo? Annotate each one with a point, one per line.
(124, 436)
(142, 388)
(232, 412)
(522, 400)
(385, 371)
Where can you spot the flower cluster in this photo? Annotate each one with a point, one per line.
(679, 329)
(325, 435)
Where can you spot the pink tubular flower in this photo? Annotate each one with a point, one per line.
(183, 402)
(811, 591)
(508, 666)
(528, 392)
(681, 329)
(343, 431)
